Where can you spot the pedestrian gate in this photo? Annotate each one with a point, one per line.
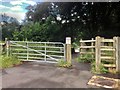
(50, 52)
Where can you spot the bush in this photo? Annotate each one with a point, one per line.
(8, 61)
(85, 58)
(101, 67)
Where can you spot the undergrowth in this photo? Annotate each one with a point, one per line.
(8, 61)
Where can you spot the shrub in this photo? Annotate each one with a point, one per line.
(101, 67)
(85, 58)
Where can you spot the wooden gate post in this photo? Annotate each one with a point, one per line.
(68, 50)
(97, 54)
(118, 54)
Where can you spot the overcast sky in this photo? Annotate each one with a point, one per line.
(15, 8)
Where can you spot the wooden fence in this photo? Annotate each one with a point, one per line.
(103, 51)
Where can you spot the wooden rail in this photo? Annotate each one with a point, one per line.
(102, 50)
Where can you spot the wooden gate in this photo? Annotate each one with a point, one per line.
(103, 51)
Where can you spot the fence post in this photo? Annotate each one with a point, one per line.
(45, 51)
(27, 51)
(118, 54)
(68, 49)
(82, 50)
(97, 53)
(7, 46)
(92, 50)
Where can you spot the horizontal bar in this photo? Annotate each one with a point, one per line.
(107, 40)
(109, 65)
(41, 61)
(38, 42)
(107, 47)
(47, 47)
(55, 51)
(26, 54)
(56, 56)
(104, 49)
(85, 41)
(19, 49)
(30, 57)
(81, 47)
(105, 57)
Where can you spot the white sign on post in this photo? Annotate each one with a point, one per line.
(68, 40)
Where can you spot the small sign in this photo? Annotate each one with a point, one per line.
(68, 40)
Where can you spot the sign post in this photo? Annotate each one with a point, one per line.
(68, 49)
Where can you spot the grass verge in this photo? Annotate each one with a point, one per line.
(8, 61)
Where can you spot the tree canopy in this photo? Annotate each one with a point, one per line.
(53, 21)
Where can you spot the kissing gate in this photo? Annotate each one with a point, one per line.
(50, 52)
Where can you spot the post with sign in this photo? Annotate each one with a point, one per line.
(68, 49)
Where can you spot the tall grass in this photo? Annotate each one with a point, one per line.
(8, 61)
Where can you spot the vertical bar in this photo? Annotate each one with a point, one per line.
(114, 52)
(118, 54)
(97, 53)
(1, 48)
(7, 47)
(92, 44)
(10, 48)
(27, 51)
(64, 52)
(68, 52)
(45, 52)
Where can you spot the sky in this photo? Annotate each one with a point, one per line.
(15, 8)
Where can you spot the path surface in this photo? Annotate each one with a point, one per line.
(37, 75)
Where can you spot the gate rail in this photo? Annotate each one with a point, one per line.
(50, 52)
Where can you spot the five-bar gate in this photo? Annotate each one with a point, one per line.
(50, 52)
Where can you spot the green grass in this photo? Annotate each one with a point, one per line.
(8, 61)
(86, 58)
(63, 63)
(101, 68)
(92, 61)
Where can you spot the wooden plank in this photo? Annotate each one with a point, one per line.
(85, 47)
(107, 40)
(85, 41)
(106, 57)
(106, 49)
(109, 65)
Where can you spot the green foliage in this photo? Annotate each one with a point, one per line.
(8, 61)
(63, 63)
(74, 45)
(101, 68)
(38, 31)
(82, 20)
(85, 58)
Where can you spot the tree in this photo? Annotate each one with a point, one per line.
(80, 19)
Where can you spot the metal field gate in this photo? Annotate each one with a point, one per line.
(50, 52)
